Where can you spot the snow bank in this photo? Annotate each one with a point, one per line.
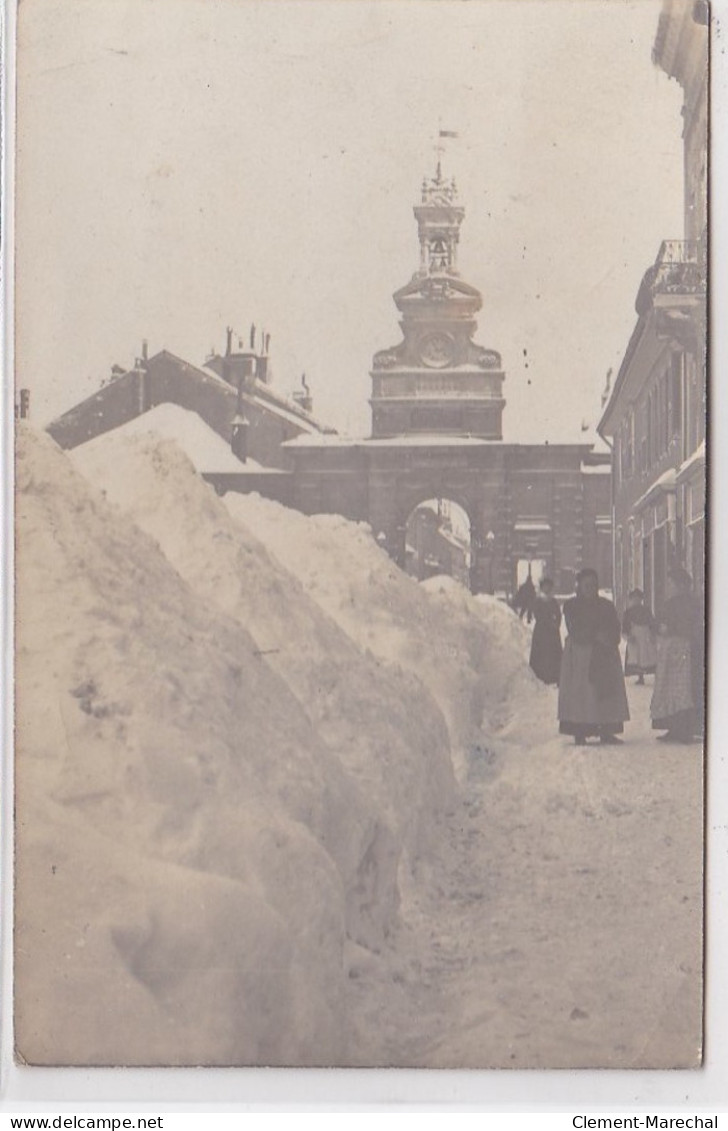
(168, 789)
(470, 653)
(377, 721)
(233, 729)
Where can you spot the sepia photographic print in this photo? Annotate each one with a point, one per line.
(360, 457)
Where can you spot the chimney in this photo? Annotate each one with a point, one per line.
(145, 350)
(22, 405)
(303, 396)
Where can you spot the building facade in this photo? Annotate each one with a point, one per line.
(655, 417)
(231, 392)
(525, 502)
(437, 427)
(437, 407)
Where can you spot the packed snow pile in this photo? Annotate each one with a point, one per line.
(195, 739)
(471, 653)
(172, 794)
(378, 721)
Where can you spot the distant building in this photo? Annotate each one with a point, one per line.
(436, 545)
(655, 415)
(231, 392)
(437, 407)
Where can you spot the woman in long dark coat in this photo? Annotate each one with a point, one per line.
(592, 696)
(546, 642)
(677, 701)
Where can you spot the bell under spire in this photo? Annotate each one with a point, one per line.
(438, 380)
(439, 216)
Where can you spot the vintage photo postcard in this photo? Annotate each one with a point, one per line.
(360, 533)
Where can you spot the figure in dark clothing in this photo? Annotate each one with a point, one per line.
(592, 696)
(677, 701)
(546, 643)
(639, 628)
(524, 599)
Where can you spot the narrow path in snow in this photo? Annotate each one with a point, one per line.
(560, 922)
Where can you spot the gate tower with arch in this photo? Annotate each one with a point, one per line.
(437, 407)
(437, 380)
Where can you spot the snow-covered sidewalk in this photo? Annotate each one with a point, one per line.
(561, 926)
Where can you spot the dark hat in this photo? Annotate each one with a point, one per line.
(584, 573)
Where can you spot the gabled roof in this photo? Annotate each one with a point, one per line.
(258, 393)
(605, 420)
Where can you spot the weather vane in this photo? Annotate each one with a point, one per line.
(440, 149)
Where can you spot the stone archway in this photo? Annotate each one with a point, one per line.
(396, 498)
(438, 540)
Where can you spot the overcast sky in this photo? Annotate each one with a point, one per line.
(188, 164)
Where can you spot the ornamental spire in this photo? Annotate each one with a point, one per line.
(439, 216)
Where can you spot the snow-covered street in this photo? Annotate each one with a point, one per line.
(561, 923)
(278, 803)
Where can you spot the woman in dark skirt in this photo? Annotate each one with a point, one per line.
(546, 643)
(677, 701)
(592, 696)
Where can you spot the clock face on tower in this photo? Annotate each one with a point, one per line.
(436, 350)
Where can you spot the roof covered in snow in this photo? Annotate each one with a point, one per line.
(207, 451)
(665, 483)
(411, 441)
(696, 459)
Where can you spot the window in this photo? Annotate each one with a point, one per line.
(651, 430)
(630, 559)
(675, 386)
(642, 428)
(626, 447)
(619, 563)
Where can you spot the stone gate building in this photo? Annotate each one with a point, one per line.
(437, 408)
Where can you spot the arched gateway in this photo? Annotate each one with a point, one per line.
(437, 407)
(437, 541)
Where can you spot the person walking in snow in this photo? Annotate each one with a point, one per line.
(639, 629)
(677, 701)
(592, 695)
(546, 642)
(524, 599)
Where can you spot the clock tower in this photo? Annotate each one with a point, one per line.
(437, 380)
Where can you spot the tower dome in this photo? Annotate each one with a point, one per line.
(437, 380)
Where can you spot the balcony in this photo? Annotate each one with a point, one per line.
(674, 290)
(677, 277)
